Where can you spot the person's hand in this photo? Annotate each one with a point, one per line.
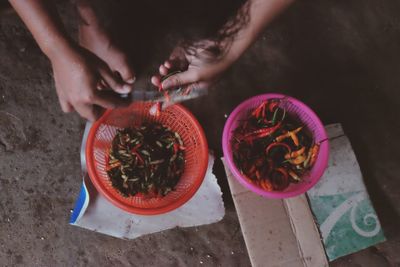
(200, 69)
(82, 80)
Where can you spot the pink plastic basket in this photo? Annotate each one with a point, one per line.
(300, 111)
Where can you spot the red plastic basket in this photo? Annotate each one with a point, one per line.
(175, 117)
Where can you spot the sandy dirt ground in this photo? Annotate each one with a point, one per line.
(340, 57)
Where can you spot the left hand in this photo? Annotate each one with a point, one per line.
(200, 69)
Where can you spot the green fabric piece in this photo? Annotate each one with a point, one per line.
(341, 204)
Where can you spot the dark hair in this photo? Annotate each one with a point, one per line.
(208, 24)
(214, 27)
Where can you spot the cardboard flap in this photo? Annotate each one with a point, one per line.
(277, 232)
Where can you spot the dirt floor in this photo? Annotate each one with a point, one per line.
(340, 57)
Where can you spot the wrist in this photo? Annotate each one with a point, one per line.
(232, 55)
(87, 15)
(239, 45)
(56, 49)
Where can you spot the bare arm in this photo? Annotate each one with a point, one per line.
(43, 21)
(77, 72)
(202, 73)
(262, 12)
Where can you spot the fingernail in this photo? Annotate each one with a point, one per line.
(131, 80)
(126, 88)
(165, 84)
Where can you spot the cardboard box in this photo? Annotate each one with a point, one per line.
(277, 232)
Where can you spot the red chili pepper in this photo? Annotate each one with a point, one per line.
(139, 157)
(263, 115)
(261, 133)
(258, 175)
(135, 148)
(271, 108)
(314, 154)
(158, 109)
(167, 97)
(256, 113)
(273, 105)
(252, 169)
(266, 185)
(112, 166)
(176, 148)
(276, 145)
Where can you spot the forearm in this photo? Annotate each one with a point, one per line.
(43, 21)
(86, 13)
(261, 13)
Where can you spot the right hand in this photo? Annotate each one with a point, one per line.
(198, 68)
(81, 80)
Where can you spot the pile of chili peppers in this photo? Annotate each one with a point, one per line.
(271, 148)
(147, 160)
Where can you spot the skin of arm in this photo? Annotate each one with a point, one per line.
(42, 20)
(77, 72)
(200, 73)
(262, 12)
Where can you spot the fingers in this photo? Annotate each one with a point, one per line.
(104, 102)
(126, 72)
(92, 107)
(163, 70)
(180, 79)
(174, 64)
(101, 85)
(168, 64)
(197, 86)
(113, 82)
(65, 106)
(88, 111)
(91, 104)
(156, 80)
